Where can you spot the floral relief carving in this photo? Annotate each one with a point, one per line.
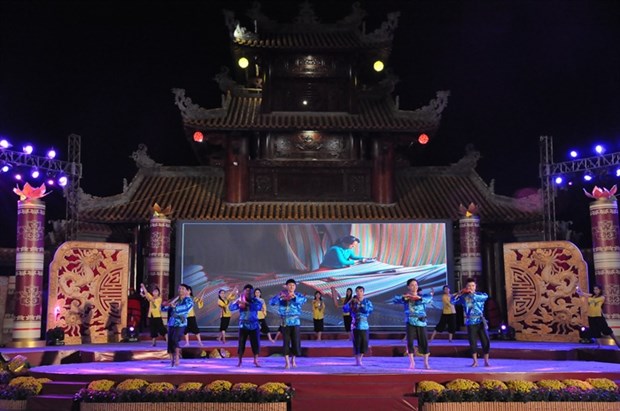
(29, 296)
(31, 231)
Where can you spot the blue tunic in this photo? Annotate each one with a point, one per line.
(248, 316)
(289, 310)
(338, 257)
(177, 316)
(473, 306)
(360, 313)
(415, 310)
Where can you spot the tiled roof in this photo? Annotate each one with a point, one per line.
(195, 193)
(243, 113)
(311, 41)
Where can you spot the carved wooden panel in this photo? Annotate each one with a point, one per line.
(540, 290)
(309, 145)
(88, 291)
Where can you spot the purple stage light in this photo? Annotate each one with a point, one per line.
(573, 154)
(559, 180)
(62, 181)
(35, 173)
(28, 149)
(18, 177)
(599, 149)
(51, 154)
(4, 143)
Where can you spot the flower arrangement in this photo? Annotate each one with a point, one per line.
(20, 388)
(462, 390)
(135, 390)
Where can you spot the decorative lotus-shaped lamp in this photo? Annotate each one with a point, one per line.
(602, 193)
(469, 211)
(159, 213)
(29, 193)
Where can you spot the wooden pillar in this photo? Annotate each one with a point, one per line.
(382, 171)
(159, 254)
(471, 258)
(237, 163)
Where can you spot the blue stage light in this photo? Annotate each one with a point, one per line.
(559, 180)
(573, 154)
(599, 149)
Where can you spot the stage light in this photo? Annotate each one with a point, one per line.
(506, 333)
(618, 172)
(50, 182)
(599, 149)
(588, 177)
(55, 336)
(573, 154)
(304, 102)
(198, 137)
(4, 143)
(584, 335)
(62, 181)
(28, 149)
(378, 66)
(51, 154)
(243, 62)
(35, 173)
(423, 139)
(18, 177)
(130, 334)
(5, 168)
(559, 180)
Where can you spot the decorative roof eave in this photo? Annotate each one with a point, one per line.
(239, 112)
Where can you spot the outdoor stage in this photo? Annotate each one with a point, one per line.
(325, 377)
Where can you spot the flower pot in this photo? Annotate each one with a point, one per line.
(182, 406)
(520, 406)
(13, 404)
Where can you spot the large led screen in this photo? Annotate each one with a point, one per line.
(216, 256)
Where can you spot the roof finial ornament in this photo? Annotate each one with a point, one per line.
(142, 159)
(306, 14)
(386, 31)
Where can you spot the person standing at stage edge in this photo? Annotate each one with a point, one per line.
(248, 306)
(415, 320)
(289, 307)
(360, 308)
(473, 308)
(178, 309)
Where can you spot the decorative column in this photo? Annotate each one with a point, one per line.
(159, 250)
(469, 229)
(382, 171)
(237, 170)
(29, 263)
(606, 250)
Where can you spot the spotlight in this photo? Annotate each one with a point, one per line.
(55, 336)
(5, 168)
(5, 144)
(618, 172)
(50, 182)
(559, 180)
(599, 149)
(35, 173)
(62, 181)
(28, 149)
(573, 154)
(588, 177)
(585, 336)
(51, 154)
(130, 334)
(506, 333)
(18, 177)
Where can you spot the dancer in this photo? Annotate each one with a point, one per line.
(177, 309)
(360, 308)
(448, 315)
(223, 302)
(415, 320)
(473, 308)
(249, 306)
(318, 314)
(262, 314)
(341, 302)
(342, 255)
(156, 324)
(597, 323)
(192, 324)
(289, 307)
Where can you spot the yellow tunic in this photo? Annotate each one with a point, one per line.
(263, 311)
(318, 309)
(448, 307)
(224, 305)
(154, 306)
(595, 306)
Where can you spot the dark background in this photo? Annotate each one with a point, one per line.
(516, 70)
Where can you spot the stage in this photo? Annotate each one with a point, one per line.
(325, 376)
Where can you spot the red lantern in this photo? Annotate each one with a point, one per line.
(198, 137)
(423, 138)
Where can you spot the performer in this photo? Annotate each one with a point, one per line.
(596, 321)
(223, 302)
(318, 314)
(177, 309)
(415, 320)
(448, 315)
(360, 308)
(341, 302)
(262, 314)
(342, 255)
(289, 307)
(156, 324)
(473, 308)
(249, 306)
(192, 324)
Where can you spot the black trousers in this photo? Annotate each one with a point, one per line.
(360, 341)
(419, 334)
(174, 336)
(292, 341)
(475, 332)
(254, 340)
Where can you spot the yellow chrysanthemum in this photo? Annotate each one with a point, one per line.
(273, 388)
(219, 386)
(427, 386)
(521, 386)
(493, 385)
(461, 384)
(188, 386)
(27, 383)
(578, 384)
(132, 384)
(159, 387)
(101, 385)
(551, 384)
(244, 386)
(603, 384)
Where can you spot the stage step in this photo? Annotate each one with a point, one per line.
(56, 402)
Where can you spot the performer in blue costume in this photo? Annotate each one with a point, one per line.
(248, 306)
(342, 255)
(473, 308)
(177, 309)
(359, 308)
(289, 307)
(415, 320)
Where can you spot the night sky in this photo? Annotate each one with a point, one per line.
(104, 69)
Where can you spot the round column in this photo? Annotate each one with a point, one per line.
(471, 259)
(159, 254)
(29, 270)
(606, 251)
